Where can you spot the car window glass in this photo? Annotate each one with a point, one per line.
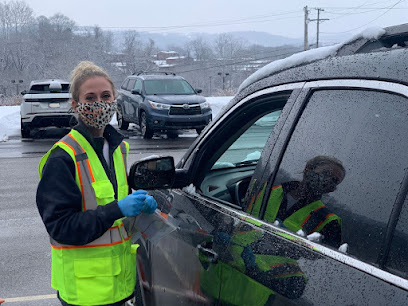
(398, 256)
(138, 85)
(162, 87)
(233, 163)
(45, 88)
(131, 84)
(363, 131)
(125, 82)
(248, 147)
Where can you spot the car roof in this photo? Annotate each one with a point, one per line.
(157, 76)
(389, 65)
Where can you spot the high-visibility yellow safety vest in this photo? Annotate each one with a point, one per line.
(104, 270)
(311, 218)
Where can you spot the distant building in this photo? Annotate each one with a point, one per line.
(167, 59)
(163, 55)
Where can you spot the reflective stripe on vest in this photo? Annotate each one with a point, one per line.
(111, 237)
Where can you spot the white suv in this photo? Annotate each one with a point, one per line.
(47, 103)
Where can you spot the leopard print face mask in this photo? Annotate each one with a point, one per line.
(97, 114)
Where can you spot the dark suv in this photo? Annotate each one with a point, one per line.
(331, 136)
(161, 102)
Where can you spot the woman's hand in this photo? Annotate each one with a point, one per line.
(136, 203)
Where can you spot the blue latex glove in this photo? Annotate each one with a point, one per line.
(133, 204)
(150, 205)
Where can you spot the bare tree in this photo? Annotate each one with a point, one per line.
(20, 14)
(227, 46)
(201, 49)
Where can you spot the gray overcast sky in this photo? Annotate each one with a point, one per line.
(214, 16)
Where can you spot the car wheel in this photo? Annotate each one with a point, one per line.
(145, 129)
(172, 134)
(25, 130)
(122, 123)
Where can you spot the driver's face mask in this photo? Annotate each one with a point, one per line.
(97, 114)
(322, 182)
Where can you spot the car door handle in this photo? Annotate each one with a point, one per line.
(211, 255)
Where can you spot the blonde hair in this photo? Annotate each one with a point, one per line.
(84, 71)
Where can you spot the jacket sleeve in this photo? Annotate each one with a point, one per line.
(59, 202)
(332, 234)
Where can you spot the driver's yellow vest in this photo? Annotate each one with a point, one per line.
(104, 270)
(311, 218)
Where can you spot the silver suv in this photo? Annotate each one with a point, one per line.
(45, 104)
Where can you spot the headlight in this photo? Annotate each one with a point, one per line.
(205, 105)
(158, 105)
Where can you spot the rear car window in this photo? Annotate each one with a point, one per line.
(45, 88)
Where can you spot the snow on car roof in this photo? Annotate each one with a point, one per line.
(308, 56)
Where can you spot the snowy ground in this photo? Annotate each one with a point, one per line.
(10, 116)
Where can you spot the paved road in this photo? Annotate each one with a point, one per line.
(24, 244)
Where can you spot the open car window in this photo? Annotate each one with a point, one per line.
(234, 151)
(246, 150)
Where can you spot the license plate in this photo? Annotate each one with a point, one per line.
(54, 105)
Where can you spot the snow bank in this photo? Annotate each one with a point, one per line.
(9, 122)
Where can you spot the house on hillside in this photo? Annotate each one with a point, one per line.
(167, 59)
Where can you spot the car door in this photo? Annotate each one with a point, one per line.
(186, 266)
(129, 111)
(362, 125)
(136, 100)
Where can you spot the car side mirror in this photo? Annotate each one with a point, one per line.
(152, 173)
(136, 92)
(23, 92)
(198, 90)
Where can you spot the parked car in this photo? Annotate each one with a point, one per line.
(161, 102)
(45, 104)
(223, 247)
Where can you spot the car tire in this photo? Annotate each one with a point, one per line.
(122, 123)
(25, 130)
(199, 130)
(145, 129)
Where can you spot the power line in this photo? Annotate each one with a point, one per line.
(254, 19)
(389, 8)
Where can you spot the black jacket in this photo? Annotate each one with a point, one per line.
(331, 232)
(59, 199)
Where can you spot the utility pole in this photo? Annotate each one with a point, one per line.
(223, 75)
(318, 23)
(305, 34)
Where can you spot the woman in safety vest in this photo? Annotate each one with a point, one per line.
(83, 195)
(297, 205)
